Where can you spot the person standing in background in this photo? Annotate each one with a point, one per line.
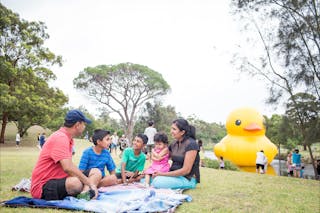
(221, 163)
(260, 162)
(150, 131)
(124, 143)
(114, 143)
(289, 164)
(38, 141)
(296, 163)
(42, 139)
(201, 153)
(18, 140)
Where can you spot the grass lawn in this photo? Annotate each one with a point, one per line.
(219, 190)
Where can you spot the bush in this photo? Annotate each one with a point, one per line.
(214, 164)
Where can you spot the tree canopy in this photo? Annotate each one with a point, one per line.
(122, 88)
(26, 97)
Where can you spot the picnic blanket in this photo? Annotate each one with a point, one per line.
(119, 198)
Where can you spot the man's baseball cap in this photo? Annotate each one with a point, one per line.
(73, 116)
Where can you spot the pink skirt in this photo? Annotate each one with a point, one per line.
(157, 168)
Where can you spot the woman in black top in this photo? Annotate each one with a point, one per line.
(184, 171)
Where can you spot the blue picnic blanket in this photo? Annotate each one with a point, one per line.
(130, 200)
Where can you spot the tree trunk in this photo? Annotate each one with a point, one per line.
(130, 133)
(3, 127)
(313, 164)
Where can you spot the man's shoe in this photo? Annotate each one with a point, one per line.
(88, 195)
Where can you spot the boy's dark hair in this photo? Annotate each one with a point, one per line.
(150, 123)
(143, 137)
(99, 134)
(161, 137)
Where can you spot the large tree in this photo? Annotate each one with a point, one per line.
(24, 73)
(289, 31)
(122, 88)
(303, 110)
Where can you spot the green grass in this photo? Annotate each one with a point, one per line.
(219, 190)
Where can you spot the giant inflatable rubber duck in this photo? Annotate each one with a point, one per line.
(246, 136)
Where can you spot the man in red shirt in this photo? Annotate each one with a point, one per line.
(55, 176)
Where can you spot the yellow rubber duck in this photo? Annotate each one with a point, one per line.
(246, 136)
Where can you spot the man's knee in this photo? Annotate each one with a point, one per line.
(73, 185)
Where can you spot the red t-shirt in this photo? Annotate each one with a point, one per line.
(57, 147)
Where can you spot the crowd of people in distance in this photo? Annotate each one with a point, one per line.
(55, 176)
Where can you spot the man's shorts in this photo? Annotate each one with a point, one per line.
(297, 167)
(55, 189)
(260, 165)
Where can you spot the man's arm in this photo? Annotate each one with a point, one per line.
(73, 171)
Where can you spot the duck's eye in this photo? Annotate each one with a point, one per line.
(238, 122)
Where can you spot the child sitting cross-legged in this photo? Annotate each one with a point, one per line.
(99, 157)
(132, 161)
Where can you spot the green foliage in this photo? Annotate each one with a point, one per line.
(208, 132)
(162, 116)
(214, 164)
(291, 143)
(303, 112)
(106, 122)
(122, 89)
(57, 119)
(281, 131)
(26, 97)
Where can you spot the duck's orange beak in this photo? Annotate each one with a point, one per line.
(252, 127)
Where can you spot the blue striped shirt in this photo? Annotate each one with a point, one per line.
(90, 159)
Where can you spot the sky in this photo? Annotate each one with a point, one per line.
(190, 42)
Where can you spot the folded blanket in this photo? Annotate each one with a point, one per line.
(131, 198)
